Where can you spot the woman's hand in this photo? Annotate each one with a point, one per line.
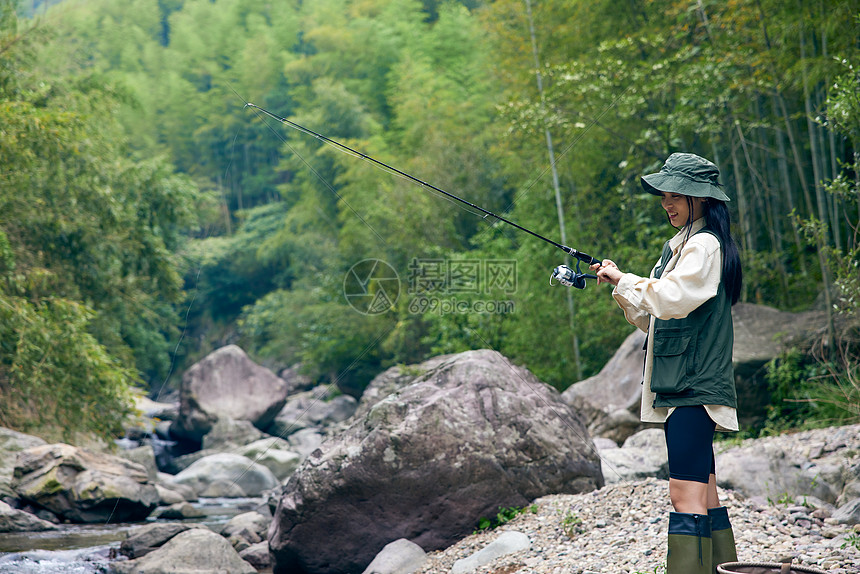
(607, 272)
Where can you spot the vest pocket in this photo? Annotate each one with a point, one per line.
(674, 351)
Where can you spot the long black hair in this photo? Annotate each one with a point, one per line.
(717, 220)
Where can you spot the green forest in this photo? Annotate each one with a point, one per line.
(148, 216)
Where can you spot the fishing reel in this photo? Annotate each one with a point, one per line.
(570, 278)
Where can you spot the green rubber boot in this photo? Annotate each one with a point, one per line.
(690, 547)
(722, 537)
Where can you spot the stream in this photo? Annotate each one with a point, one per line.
(88, 548)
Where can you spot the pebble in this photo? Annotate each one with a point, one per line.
(621, 529)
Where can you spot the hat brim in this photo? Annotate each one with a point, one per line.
(659, 183)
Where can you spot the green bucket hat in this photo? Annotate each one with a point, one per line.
(687, 174)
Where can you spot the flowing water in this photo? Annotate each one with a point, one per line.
(88, 548)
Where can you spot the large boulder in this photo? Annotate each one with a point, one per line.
(193, 551)
(227, 383)
(83, 486)
(761, 334)
(11, 443)
(468, 435)
(227, 475)
(609, 400)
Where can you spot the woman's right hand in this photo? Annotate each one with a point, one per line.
(607, 272)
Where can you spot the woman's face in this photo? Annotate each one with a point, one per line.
(678, 209)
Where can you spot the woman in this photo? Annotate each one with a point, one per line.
(685, 307)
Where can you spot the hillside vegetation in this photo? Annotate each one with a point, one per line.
(147, 216)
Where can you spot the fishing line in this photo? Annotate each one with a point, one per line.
(355, 153)
(559, 273)
(309, 166)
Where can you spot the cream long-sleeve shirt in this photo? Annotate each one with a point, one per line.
(692, 276)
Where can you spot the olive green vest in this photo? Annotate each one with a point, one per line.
(693, 355)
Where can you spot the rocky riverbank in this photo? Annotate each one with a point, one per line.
(425, 452)
(621, 529)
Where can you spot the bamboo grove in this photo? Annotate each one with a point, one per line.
(148, 217)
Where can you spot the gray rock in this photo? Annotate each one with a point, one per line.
(228, 475)
(316, 408)
(653, 438)
(14, 520)
(180, 463)
(425, 463)
(156, 410)
(780, 467)
(766, 470)
(82, 486)
(603, 443)
(306, 441)
(227, 383)
(179, 511)
(849, 492)
(11, 443)
(193, 551)
(507, 543)
(168, 496)
(276, 454)
(142, 540)
(398, 557)
(257, 555)
(848, 513)
(610, 399)
(252, 526)
(296, 381)
(393, 380)
(228, 434)
(761, 333)
(144, 456)
(166, 483)
(643, 455)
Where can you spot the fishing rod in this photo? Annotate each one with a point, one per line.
(563, 274)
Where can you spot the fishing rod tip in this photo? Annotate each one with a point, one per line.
(249, 105)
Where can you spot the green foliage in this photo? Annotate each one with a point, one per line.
(505, 515)
(571, 524)
(88, 241)
(807, 392)
(851, 540)
(442, 90)
(54, 374)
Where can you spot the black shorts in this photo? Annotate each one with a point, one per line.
(690, 442)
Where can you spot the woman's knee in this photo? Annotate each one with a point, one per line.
(688, 496)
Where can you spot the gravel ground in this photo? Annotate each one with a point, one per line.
(622, 529)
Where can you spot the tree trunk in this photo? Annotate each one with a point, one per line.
(786, 182)
(559, 206)
(819, 192)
